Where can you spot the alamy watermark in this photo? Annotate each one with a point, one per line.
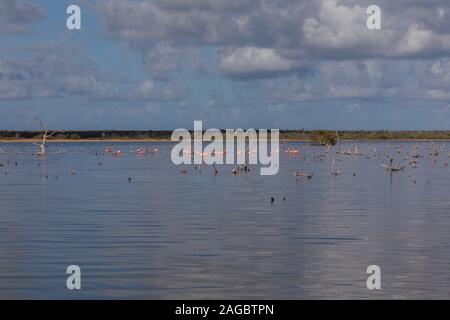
(374, 19)
(374, 280)
(73, 21)
(73, 281)
(239, 147)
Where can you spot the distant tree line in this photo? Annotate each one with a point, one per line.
(330, 137)
(88, 135)
(315, 136)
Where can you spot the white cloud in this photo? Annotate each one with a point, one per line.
(16, 16)
(159, 91)
(337, 26)
(160, 60)
(85, 85)
(12, 90)
(253, 61)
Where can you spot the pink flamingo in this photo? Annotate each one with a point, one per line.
(118, 153)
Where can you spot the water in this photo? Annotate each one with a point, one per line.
(198, 236)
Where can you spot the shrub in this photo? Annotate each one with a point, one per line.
(322, 137)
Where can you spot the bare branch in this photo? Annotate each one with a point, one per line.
(43, 145)
(41, 124)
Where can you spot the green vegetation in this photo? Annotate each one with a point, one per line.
(322, 137)
(88, 135)
(74, 136)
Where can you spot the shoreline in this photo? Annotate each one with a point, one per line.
(82, 140)
(168, 140)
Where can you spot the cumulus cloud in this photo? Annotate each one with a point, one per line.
(251, 61)
(90, 87)
(54, 69)
(237, 25)
(197, 22)
(161, 59)
(281, 51)
(44, 73)
(16, 16)
(263, 39)
(159, 91)
(401, 80)
(13, 90)
(337, 26)
(328, 28)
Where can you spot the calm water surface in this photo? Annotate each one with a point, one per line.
(171, 236)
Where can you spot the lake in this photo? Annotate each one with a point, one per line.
(168, 235)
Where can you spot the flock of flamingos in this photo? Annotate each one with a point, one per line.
(411, 156)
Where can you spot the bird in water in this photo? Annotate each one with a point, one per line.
(272, 200)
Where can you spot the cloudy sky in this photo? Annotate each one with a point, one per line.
(289, 64)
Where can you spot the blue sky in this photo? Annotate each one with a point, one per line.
(231, 63)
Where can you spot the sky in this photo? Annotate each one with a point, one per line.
(285, 64)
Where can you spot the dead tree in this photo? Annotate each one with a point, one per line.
(43, 145)
(334, 172)
(339, 142)
(435, 150)
(391, 167)
(303, 174)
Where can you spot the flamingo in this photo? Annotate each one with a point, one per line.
(292, 151)
(141, 151)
